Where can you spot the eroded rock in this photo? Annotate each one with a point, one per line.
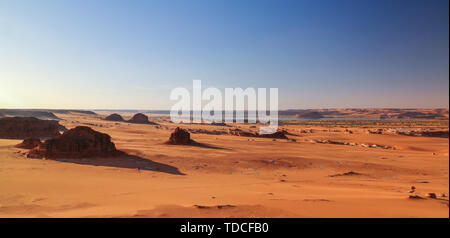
(114, 117)
(79, 142)
(141, 119)
(24, 127)
(179, 137)
(29, 143)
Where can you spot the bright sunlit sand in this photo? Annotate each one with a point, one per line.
(234, 176)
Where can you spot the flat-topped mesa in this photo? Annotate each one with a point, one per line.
(180, 137)
(114, 117)
(79, 142)
(141, 119)
(29, 143)
(40, 114)
(24, 127)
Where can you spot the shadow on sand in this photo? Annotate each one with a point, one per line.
(201, 145)
(125, 161)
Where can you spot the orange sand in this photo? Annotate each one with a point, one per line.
(259, 177)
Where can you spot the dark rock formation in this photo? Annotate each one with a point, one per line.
(114, 117)
(432, 195)
(276, 135)
(180, 137)
(41, 114)
(377, 131)
(29, 143)
(218, 124)
(79, 142)
(67, 111)
(24, 127)
(36, 153)
(239, 132)
(415, 197)
(350, 173)
(208, 132)
(141, 119)
(442, 134)
(439, 134)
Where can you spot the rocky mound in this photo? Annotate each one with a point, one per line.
(114, 117)
(79, 142)
(141, 119)
(276, 135)
(29, 143)
(24, 127)
(239, 132)
(180, 137)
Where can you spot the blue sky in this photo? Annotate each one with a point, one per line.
(131, 54)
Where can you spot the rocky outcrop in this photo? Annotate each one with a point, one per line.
(141, 119)
(441, 134)
(419, 132)
(24, 127)
(239, 132)
(29, 143)
(79, 142)
(36, 153)
(208, 132)
(41, 114)
(180, 137)
(114, 117)
(67, 111)
(276, 135)
(377, 131)
(218, 124)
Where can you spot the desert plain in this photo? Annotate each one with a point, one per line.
(324, 169)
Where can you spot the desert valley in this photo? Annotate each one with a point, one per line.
(69, 163)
